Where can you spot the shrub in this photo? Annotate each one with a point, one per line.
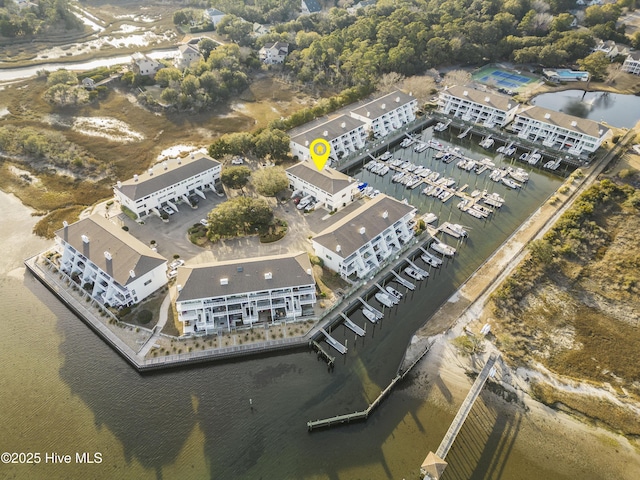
(145, 316)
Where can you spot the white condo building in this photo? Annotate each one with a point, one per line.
(387, 113)
(168, 183)
(187, 54)
(330, 187)
(365, 238)
(557, 130)
(223, 295)
(144, 65)
(632, 63)
(487, 109)
(345, 135)
(115, 267)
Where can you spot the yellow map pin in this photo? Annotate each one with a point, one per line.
(320, 150)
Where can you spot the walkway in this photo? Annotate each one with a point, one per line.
(164, 314)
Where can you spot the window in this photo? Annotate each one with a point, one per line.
(147, 282)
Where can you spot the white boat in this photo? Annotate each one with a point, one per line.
(430, 260)
(461, 163)
(509, 151)
(385, 299)
(524, 156)
(439, 127)
(510, 183)
(385, 156)
(411, 167)
(393, 292)
(428, 189)
(429, 217)
(495, 196)
(443, 248)
(501, 149)
(474, 213)
(470, 165)
(425, 172)
(487, 142)
(435, 145)
(407, 142)
(448, 182)
(534, 158)
(369, 315)
(413, 273)
(421, 147)
(397, 177)
(383, 171)
(518, 174)
(475, 193)
(455, 228)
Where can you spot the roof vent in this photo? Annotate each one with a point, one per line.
(487, 99)
(65, 224)
(108, 256)
(343, 125)
(268, 276)
(119, 184)
(508, 105)
(362, 230)
(309, 271)
(397, 99)
(179, 161)
(306, 143)
(465, 93)
(85, 239)
(338, 248)
(600, 133)
(325, 133)
(164, 165)
(132, 274)
(179, 288)
(385, 214)
(547, 116)
(383, 106)
(240, 269)
(193, 155)
(574, 123)
(224, 281)
(150, 171)
(368, 114)
(135, 177)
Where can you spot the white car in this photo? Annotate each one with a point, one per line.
(237, 161)
(204, 222)
(167, 209)
(172, 273)
(176, 263)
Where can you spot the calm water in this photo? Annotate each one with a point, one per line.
(618, 110)
(63, 390)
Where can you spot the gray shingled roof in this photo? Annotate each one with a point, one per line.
(313, 6)
(147, 184)
(127, 252)
(333, 128)
(391, 101)
(327, 180)
(500, 102)
(245, 275)
(346, 232)
(582, 125)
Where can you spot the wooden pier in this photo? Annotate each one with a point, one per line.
(322, 353)
(333, 342)
(403, 281)
(352, 326)
(434, 464)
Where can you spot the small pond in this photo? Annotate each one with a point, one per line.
(617, 110)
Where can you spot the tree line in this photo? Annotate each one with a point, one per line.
(36, 18)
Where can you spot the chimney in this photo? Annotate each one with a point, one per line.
(224, 281)
(268, 276)
(343, 125)
(487, 99)
(151, 172)
(385, 214)
(135, 177)
(193, 155)
(465, 93)
(508, 106)
(574, 123)
(325, 133)
(119, 184)
(306, 143)
(547, 116)
(132, 274)
(65, 231)
(179, 288)
(179, 160)
(85, 246)
(383, 106)
(309, 271)
(368, 114)
(338, 248)
(109, 263)
(164, 164)
(397, 99)
(362, 230)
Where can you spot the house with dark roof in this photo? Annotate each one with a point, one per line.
(222, 295)
(345, 135)
(361, 242)
(273, 53)
(333, 189)
(471, 105)
(116, 268)
(308, 7)
(387, 113)
(557, 130)
(168, 184)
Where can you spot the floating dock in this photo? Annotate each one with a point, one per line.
(352, 326)
(403, 281)
(464, 134)
(333, 342)
(421, 271)
(377, 312)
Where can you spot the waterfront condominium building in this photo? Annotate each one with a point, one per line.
(333, 189)
(115, 267)
(632, 63)
(219, 296)
(387, 113)
(487, 109)
(345, 135)
(362, 240)
(169, 183)
(557, 130)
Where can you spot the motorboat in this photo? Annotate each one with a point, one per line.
(429, 217)
(386, 300)
(413, 274)
(385, 156)
(407, 142)
(443, 248)
(393, 292)
(456, 228)
(420, 147)
(510, 183)
(431, 260)
(518, 174)
(369, 315)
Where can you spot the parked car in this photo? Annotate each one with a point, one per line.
(310, 206)
(194, 199)
(304, 202)
(176, 263)
(204, 222)
(237, 161)
(168, 210)
(172, 273)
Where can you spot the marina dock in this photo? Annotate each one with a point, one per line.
(322, 353)
(377, 312)
(421, 271)
(403, 281)
(352, 326)
(333, 342)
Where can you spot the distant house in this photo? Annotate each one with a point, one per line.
(167, 184)
(187, 54)
(144, 65)
(214, 15)
(112, 265)
(345, 135)
(364, 3)
(88, 83)
(310, 6)
(259, 29)
(331, 188)
(232, 293)
(632, 63)
(273, 53)
(609, 48)
(362, 240)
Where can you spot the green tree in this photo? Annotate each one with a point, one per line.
(272, 143)
(169, 95)
(168, 77)
(206, 46)
(562, 22)
(596, 64)
(235, 177)
(62, 76)
(239, 216)
(269, 181)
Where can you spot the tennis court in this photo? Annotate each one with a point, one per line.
(503, 79)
